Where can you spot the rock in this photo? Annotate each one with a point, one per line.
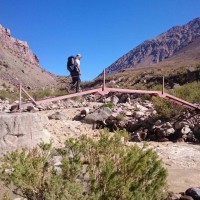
(175, 196)
(185, 130)
(135, 137)
(158, 122)
(100, 114)
(30, 108)
(114, 100)
(168, 125)
(197, 131)
(99, 124)
(143, 134)
(128, 100)
(39, 107)
(128, 113)
(180, 124)
(154, 112)
(111, 123)
(141, 108)
(170, 131)
(14, 108)
(138, 114)
(57, 116)
(22, 129)
(193, 192)
(163, 140)
(21, 64)
(176, 85)
(123, 98)
(186, 197)
(69, 103)
(84, 112)
(108, 99)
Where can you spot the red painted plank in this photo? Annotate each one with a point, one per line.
(106, 90)
(180, 101)
(133, 91)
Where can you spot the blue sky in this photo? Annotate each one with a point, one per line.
(101, 30)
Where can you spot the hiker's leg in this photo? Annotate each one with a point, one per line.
(73, 80)
(78, 85)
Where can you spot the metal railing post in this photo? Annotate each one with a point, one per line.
(104, 80)
(163, 85)
(20, 95)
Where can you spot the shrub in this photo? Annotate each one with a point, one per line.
(103, 169)
(189, 92)
(165, 108)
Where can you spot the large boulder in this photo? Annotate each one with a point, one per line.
(98, 115)
(22, 130)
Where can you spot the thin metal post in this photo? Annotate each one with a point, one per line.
(104, 80)
(20, 95)
(163, 85)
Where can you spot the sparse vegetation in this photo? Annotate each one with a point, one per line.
(103, 169)
(108, 104)
(47, 92)
(189, 92)
(7, 93)
(4, 94)
(165, 108)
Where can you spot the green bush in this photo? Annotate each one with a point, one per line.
(98, 170)
(189, 92)
(165, 108)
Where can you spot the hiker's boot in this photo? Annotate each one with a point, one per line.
(78, 90)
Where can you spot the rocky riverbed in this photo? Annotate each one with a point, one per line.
(70, 118)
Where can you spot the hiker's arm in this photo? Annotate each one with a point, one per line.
(78, 68)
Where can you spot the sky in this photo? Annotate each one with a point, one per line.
(101, 30)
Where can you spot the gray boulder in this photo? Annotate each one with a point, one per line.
(194, 192)
(22, 130)
(98, 115)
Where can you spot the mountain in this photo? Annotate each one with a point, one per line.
(18, 64)
(165, 46)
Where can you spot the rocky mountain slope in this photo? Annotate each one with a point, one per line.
(18, 64)
(161, 48)
(181, 68)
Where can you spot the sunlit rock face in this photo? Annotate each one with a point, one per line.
(157, 49)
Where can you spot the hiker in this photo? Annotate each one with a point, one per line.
(73, 65)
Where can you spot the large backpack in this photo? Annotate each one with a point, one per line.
(71, 64)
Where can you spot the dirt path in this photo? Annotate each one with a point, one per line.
(182, 161)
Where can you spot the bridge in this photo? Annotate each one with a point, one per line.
(105, 90)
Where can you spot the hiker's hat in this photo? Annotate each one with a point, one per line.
(79, 55)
